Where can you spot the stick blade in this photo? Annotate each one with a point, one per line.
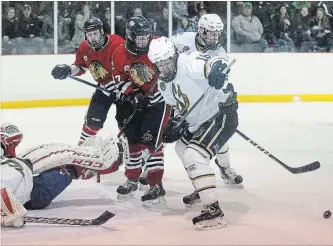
(307, 168)
(103, 218)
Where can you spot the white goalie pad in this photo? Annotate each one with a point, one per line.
(88, 155)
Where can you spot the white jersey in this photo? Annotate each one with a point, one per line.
(188, 86)
(16, 175)
(186, 41)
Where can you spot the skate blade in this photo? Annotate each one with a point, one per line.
(231, 185)
(125, 197)
(156, 204)
(143, 187)
(214, 224)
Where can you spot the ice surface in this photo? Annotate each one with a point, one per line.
(275, 207)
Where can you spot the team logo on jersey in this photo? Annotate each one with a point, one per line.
(183, 103)
(162, 86)
(141, 73)
(97, 70)
(85, 58)
(126, 68)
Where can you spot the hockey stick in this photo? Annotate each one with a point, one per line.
(295, 170)
(202, 96)
(88, 83)
(100, 220)
(136, 109)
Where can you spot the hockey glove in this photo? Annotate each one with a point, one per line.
(61, 71)
(215, 77)
(172, 132)
(139, 100)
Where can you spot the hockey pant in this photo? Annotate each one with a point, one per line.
(46, 187)
(144, 134)
(197, 149)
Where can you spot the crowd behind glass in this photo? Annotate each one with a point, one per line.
(299, 26)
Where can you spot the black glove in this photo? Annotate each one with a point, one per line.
(172, 132)
(139, 100)
(215, 77)
(61, 71)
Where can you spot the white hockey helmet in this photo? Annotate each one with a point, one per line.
(162, 53)
(210, 28)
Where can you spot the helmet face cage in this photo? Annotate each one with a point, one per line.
(138, 35)
(167, 68)
(209, 37)
(93, 40)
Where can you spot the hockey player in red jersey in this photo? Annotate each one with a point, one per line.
(136, 77)
(94, 54)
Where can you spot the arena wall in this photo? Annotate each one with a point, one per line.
(26, 80)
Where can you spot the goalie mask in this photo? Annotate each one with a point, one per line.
(210, 28)
(11, 136)
(94, 34)
(162, 53)
(138, 35)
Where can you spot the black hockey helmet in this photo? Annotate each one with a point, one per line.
(138, 35)
(93, 24)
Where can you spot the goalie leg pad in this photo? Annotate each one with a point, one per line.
(12, 211)
(201, 174)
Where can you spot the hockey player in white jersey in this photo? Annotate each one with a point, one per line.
(183, 78)
(208, 40)
(34, 179)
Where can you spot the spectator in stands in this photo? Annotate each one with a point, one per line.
(162, 23)
(202, 10)
(184, 26)
(9, 27)
(281, 28)
(65, 46)
(48, 34)
(106, 19)
(302, 35)
(297, 6)
(28, 32)
(248, 31)
(321, 30)
(78, 27)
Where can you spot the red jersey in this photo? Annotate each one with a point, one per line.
(131, 72)
(98, 62)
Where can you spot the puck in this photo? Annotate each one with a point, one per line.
(327, 214)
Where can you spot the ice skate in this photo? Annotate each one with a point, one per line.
(191, 200)
(154, 196)
(230, 177)
(126, 191)
(211, 217)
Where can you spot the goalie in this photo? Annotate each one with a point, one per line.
(35, 178)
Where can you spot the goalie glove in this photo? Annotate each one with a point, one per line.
(172, 131)
(11, 136)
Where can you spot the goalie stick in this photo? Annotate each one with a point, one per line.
(295, 170)
(100, 220)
